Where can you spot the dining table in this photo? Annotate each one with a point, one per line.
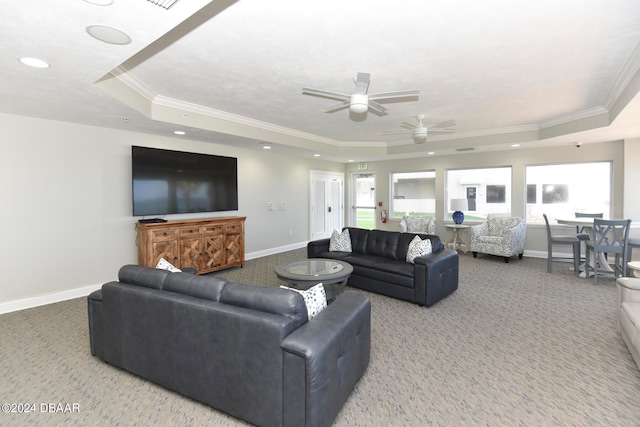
(587, 223)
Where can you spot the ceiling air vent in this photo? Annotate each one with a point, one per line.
(164, 3)
(465, 149)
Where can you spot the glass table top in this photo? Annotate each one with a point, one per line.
(314, 267)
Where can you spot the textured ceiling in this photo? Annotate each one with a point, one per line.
(232, 72)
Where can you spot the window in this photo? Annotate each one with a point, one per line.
(562, 190)
(413, 193)
(487, 191)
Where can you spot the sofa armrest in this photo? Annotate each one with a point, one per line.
(324, 359)
(94, 313)
(628, 289)
(435, 276)
(317, 247)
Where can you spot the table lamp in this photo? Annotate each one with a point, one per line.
(457, 206)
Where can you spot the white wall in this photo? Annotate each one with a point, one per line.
(66, 204)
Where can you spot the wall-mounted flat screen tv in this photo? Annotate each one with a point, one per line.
(175, 182)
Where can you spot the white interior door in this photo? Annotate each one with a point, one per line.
(327, 204)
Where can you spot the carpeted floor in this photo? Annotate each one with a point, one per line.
(514, 346)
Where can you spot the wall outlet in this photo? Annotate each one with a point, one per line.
(290, 232)
(282, 205)
(270, 206)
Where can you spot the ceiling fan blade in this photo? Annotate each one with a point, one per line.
(336, 107)
(397, 94)
(377, 107)
(396, 133)
(407, 125)
(432, 130)
(445, 124)
(362, 83)
(325, 94)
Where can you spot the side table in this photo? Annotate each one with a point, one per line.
(460, 240)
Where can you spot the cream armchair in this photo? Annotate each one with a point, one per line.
(500, 235)
(417, 224)
(628, 289)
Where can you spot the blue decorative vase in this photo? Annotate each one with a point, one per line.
(458, 217)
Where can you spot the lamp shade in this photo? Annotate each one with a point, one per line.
(459, 205)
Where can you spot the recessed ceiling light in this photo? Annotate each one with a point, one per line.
(179, 132)
(431, 152)
(266, 147)
(34, 62)
(515, 145)
(108, 34)
(316, 155)
(350, 160)
(100, 2)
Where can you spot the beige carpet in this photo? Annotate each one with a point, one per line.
(513, 346)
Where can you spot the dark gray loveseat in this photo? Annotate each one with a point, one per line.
(379, 265)
(246, 350)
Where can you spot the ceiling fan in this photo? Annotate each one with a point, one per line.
(420, 131)
(359, 101)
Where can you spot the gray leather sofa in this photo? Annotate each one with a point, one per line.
(379, 265)
(247, 350)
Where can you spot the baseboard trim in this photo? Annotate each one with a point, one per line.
(23, 304)
(277, 250)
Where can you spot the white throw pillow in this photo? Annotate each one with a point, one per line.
(418, 247)
(315, 299)
(340, 242)
(163, 264)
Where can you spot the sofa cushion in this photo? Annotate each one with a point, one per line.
(196, 286)
(315, 299)
(397, 267)
(267, 299)
(369, 261)
(499, 225)
(359, 237)
(138, 275)
(383, 243)
(417, 223)
(340, 242)
(418, 247)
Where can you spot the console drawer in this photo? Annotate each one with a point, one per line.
(213, 229)
(164, 234)
(191, 231)
(233, 228)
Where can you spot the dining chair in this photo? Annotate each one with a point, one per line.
(609, 237)
(561, 240)
(580, 233)
(632, 243)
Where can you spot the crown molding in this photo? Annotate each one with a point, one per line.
(629, 71)
(572, 117)
(139, 87)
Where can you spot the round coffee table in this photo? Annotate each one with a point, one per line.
(333, 274)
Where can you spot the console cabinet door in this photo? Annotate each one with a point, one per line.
(214, 250)
(234, 243)
(167, 249)
(191, 253)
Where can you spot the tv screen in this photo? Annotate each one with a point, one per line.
(173, 182)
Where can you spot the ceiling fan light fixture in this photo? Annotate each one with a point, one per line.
(420, 135)
(420, 139)
(359, 103)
